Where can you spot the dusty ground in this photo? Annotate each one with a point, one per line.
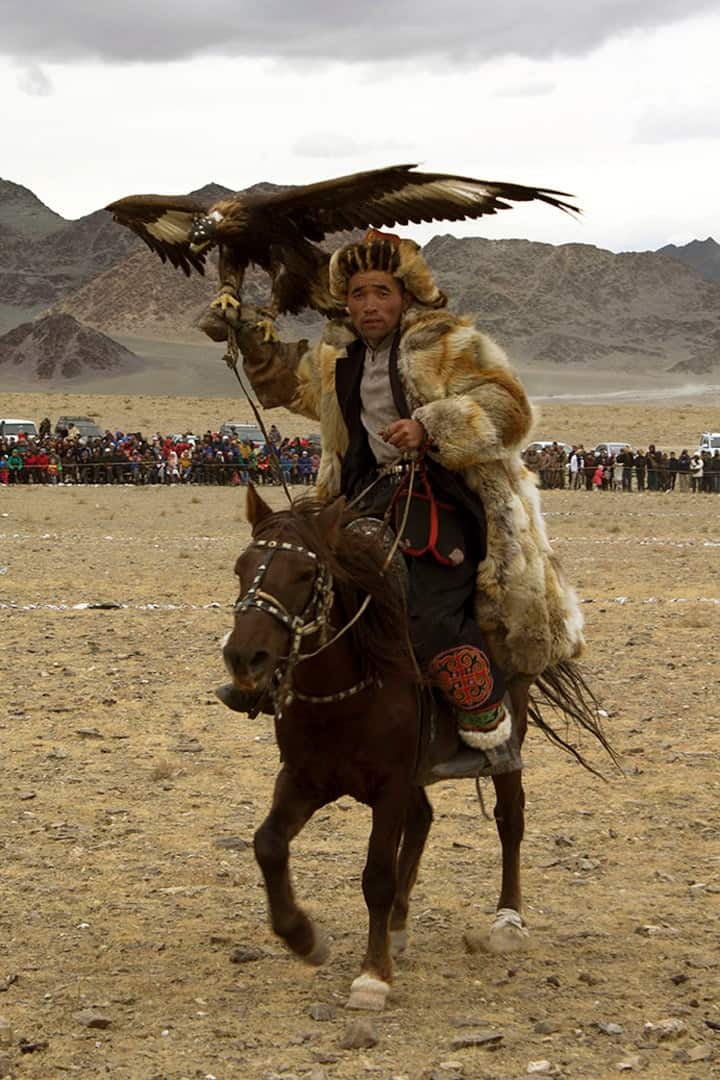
(121, 775)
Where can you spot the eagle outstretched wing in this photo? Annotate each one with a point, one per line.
(398, 196)
(164, 222)
(278, 231)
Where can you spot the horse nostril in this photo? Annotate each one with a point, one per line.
(259, 662)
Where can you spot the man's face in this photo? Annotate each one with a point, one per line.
(376, 302)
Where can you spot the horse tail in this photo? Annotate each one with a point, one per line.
(563, 689)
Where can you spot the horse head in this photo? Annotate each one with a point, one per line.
(286, 592)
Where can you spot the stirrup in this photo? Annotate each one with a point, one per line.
(467, 763)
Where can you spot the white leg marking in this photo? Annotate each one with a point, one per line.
(367, 992)
(508, 932)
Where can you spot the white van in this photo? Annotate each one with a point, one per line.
(710, 441)
(12, 428)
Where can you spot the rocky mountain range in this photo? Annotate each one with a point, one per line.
(59, 347)
(571, 304)
(701, 255)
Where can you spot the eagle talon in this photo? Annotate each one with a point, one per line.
(267, 328)
(224, 301)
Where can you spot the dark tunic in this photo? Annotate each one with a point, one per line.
(440, 598)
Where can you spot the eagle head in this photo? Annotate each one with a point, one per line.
(203, 232)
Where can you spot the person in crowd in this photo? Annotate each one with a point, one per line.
(696, 472)
(627, 461)
(683, 471)
(574, 468)
(707, 476)
(640, 463)
(714, 471)
(15, 465)
(532, 459)
(653, 468)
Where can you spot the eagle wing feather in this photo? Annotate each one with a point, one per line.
(164, 222)
(397, 196)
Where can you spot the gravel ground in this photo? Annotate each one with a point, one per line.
(129, 797)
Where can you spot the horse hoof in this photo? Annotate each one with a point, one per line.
(398, 943)
(369, 993)
(508, 934)
(320, 950)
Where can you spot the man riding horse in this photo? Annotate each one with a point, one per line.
(403, 378)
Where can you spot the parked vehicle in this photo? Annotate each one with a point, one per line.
(612, 449)
(11, 429)
(709, 442)
(249, 433)
(87, 428)
(542, 444)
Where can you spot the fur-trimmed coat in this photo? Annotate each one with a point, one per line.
(460, 386)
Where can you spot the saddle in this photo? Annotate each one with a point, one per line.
(440, 753)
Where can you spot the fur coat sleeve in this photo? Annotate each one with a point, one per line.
(466, 396)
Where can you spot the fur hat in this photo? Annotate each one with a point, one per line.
(384, 251)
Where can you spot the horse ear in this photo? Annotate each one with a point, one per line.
(256, 509)
(330, 520)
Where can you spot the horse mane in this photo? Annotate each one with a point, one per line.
(380, 636)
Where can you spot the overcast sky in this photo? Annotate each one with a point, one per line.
(618, 104)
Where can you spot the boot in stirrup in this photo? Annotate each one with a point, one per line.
(484, 749)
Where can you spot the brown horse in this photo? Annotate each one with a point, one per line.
(347, 723)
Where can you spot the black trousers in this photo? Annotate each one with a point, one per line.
(448, 642)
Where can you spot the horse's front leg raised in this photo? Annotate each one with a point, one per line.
(372, 986)
(291, 809)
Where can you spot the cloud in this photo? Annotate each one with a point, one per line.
(32, 80)
(539, 88)
(463, 31)
(329, 144)
(663, 124)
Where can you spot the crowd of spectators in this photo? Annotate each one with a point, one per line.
(64, 457)
(130, 458)
(628, 470)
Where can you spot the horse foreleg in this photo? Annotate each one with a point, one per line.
(379, 882)
(418, 820)
(508, 932)
(291, 809)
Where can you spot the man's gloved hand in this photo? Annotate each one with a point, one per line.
(214, 320)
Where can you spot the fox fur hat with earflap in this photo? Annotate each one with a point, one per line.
(384, 251)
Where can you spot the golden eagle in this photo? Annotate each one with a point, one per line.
(276, 231)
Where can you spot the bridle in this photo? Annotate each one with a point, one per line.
(313, 619)
(315, 616)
